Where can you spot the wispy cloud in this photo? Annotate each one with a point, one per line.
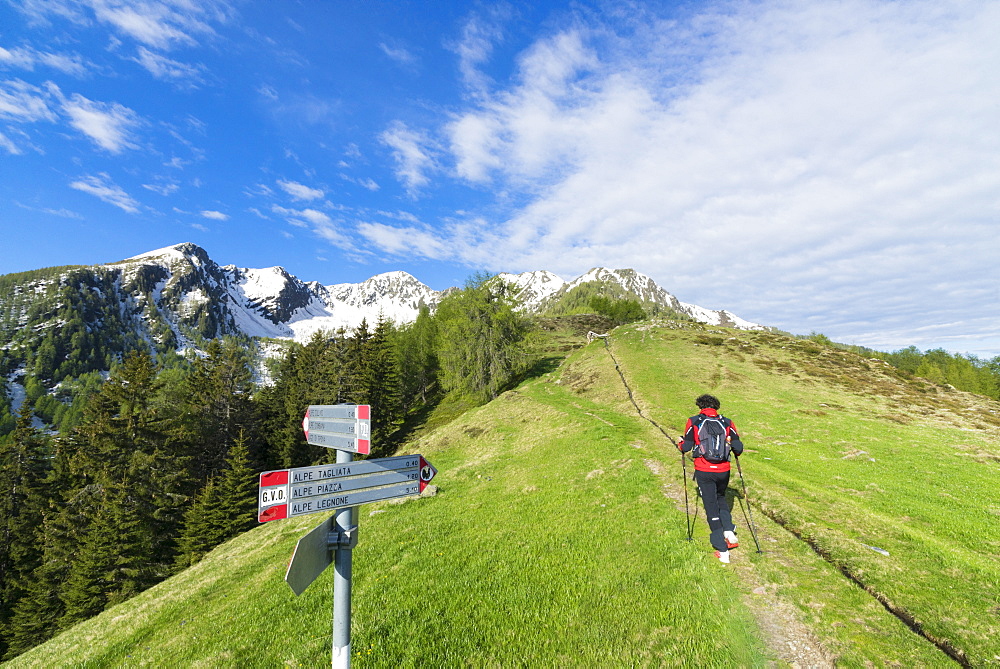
(317, 221)
(401, 241)
(366, 183)
(167, 69)
(110, 125)
(158, 24)
(162, 25)
(62, 213)
(398, 54)
(412, 155)
(480, 34)
(9, 146)
(18, 57)
(24, 102)
(214, 215)
(28, 58)
(103, 187)
(163, 187)
(541, 123)
(300, 191)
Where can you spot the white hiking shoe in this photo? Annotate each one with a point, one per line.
(723, 556)
(731, 540)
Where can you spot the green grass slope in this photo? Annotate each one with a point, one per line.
(850, 456)
(558, 536)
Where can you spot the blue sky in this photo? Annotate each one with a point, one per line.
(815, 166)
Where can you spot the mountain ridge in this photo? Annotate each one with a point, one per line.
(304, 307)
(174, 298)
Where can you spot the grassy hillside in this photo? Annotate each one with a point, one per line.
(558, 535)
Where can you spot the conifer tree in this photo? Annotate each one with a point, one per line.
(379, 375)
(201, 526)
(341, 370)
(416, 344)
(128, 490)
(217, 405)
(23, 468)
(239, 489)
(226, 507)
(305, 384)
(88, 582)
(37, 615)
(481, 338)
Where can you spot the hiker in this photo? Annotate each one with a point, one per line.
(712, 436)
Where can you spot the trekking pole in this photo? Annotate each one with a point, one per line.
(687, 514)
(753, 531)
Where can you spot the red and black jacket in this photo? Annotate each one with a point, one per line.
(691, 440)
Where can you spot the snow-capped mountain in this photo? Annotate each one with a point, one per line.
(174, 296)
(271, 302)
(541, 287)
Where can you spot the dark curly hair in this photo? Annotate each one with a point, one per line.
(708, 402)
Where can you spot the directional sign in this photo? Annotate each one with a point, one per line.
(312, 555)
(286, 493)
(345, 427)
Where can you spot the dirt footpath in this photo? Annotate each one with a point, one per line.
(787, 637)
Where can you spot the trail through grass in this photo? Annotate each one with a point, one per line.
(857, 461)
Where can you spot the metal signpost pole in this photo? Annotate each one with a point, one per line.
(288, 493)
(341, 658)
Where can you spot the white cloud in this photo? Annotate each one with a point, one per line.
(811, 166)
(214, 215)
(23, 102)
(109, 125)
(72, 64)
(62, 213)
(163, 187)
(103, 187)
(27, 58)
(162, 25)
(540, 124)
(299, 191)
(480, 33)
(167, 69)
(367, 183)
(9, 146)
(398, 54)
(17, 57)
(426, 243)
(317, 221)
(412, 154)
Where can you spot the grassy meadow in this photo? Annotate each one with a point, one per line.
(851, 456)
(557, 536)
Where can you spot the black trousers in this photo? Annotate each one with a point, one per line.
(712, 487)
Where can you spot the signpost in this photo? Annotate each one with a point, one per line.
(286, 493)
(345, 427)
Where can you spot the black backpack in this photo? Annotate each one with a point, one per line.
(712, 439)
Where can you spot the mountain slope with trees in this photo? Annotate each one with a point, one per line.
(160, 466)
